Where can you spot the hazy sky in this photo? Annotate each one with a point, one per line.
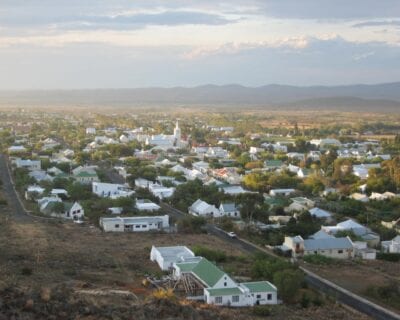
(121, 43)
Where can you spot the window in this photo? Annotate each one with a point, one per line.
(258, 296)
(235, 298)
(315, 252)
(137, 227)
(340, 251)
(218, 299)
(269, 296)
(144, 226)
(117, 226)
(225, 284)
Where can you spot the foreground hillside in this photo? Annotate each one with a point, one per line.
(64, 271)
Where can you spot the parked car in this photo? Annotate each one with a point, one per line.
(232, 235)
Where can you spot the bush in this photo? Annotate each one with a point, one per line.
(392, 257)
(262, 311)
(26, 271)
(288, 283)
(210, 254)
(191, 224)
(318, 259)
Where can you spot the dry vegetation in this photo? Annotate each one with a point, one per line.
(66, 271)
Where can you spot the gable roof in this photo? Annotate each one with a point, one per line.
(204, 270)
(224, 291)
(259, 286)
(327, 244)
(319, 213)
(228, 207)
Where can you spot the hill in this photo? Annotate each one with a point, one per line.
(386, 97)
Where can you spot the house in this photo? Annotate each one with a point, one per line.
(90, 130)
(326, 143)
(381, 196)
(40, 175)
(202, 208)
(142, 183)
(59, 193)
(296, 156)
(229, 210)
(281, 192)
(135, 224)
(70, 210)
(218, 288)
(167, 256)
(359, 230)
(201, 166)
(160, 191)
(362, 251)
(16, 149)
(392, 246)
(33, 191)
(146, 205)
(115, 210)
(30, 165)
(338, 248)
(85, 175)
(392, 225)
(273, 164)
(234, 190)
(359, 197)
(320, 214)
(111, 190)
(299, 204)
(304, 173)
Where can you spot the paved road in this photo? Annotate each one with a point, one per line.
(18, 212)
(342, 295)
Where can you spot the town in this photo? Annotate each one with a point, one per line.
(288, 198)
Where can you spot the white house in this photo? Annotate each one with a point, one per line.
(202, 208)
(281, 192)
(135, 224)
(392, 246)
(90, 130)
(160, 191)
(320, 213)
(16, 149)
(299, 204)
(359, 197)
(30, 165)
(338, 248)
(167, 256)
(111, 190)
(85, 175)
(359, 230)
(229, 210)
(33, 190)
(219, 288)
(146, 205)
(71, 210)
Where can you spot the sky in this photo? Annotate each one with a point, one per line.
(83, 44)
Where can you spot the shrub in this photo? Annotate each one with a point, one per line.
(318, 259)
(26, 271)
(262, 311)
(392, 257)
(210, 254)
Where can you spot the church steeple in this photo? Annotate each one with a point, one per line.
(177, 133)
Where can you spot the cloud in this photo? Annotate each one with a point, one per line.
(328, 9)
(124, 21)
(377, 23)
(361, 56)
(234, 48)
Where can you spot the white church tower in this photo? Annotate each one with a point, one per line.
(177, 134)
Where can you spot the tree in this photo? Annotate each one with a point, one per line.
(288, 283)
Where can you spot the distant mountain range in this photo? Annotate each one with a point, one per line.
(378, 97)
